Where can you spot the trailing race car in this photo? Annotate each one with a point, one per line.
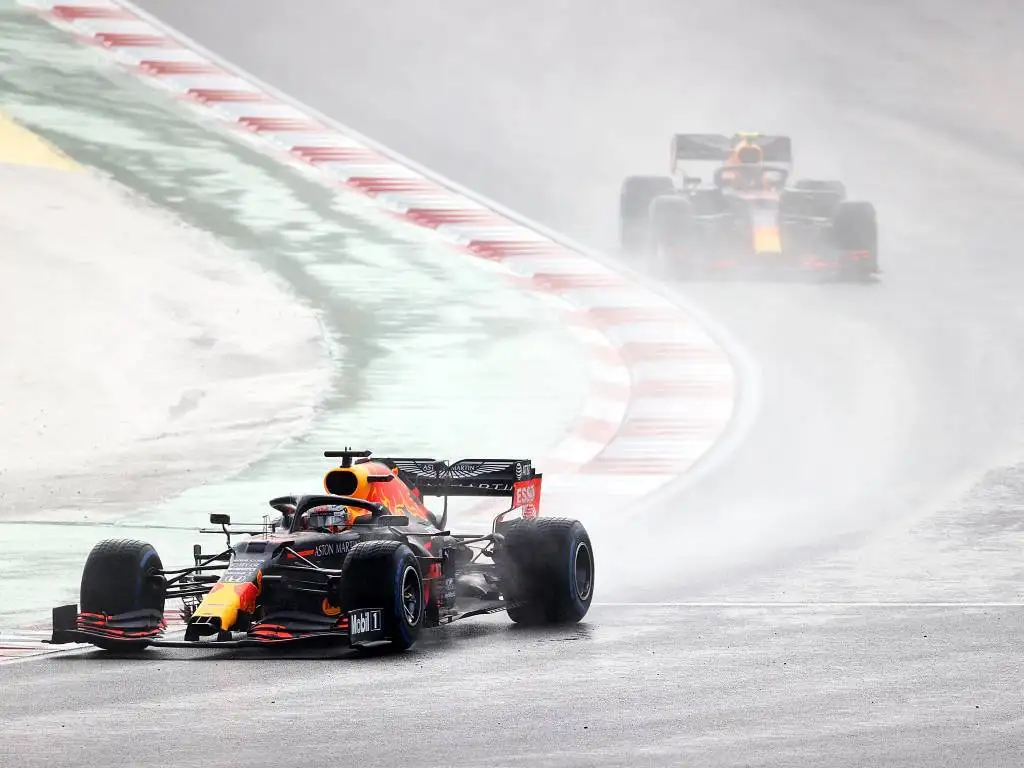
(746, 216)
(366, 563)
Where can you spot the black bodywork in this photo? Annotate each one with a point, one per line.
(296, 577)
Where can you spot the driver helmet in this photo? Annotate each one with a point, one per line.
(332, 518)
(749, 154)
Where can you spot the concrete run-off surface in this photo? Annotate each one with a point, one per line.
(136, 350)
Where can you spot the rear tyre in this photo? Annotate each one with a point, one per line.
(855, 236)
(672, 236)
(547, 570)
(634, 207)
(386, 575)
(121, 576)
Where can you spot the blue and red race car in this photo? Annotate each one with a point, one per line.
(747, 217)
(365, 563)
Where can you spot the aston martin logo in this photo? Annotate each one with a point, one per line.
(460, 470)
(420, 468)
(463, 469)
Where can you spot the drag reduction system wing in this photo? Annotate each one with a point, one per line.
(465, 477)
(511, 478)
(713, 147)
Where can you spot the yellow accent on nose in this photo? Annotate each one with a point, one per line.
(766, 240)
(19, 146)
(223, 602)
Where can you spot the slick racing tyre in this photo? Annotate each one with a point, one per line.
(121, 576)
(634, 206)
(386, 575)
(672, 236)
(855, 236)
(547, 570)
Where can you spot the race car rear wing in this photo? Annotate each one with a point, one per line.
(713, 147)
(509, 478)
(466, 477)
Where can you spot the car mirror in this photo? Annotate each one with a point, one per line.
(218, 519)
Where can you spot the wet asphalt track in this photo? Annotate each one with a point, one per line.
(882, 466)
(632, 687)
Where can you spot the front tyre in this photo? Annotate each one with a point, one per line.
(122, 576)
(386, 575)
(547, 571)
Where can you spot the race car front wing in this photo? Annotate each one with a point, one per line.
(358, 628)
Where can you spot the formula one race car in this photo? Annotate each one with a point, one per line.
(366, 564)
(747, 216)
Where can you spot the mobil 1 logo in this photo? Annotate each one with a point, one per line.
(365, 626)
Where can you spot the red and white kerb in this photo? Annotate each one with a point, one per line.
(661, 389)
